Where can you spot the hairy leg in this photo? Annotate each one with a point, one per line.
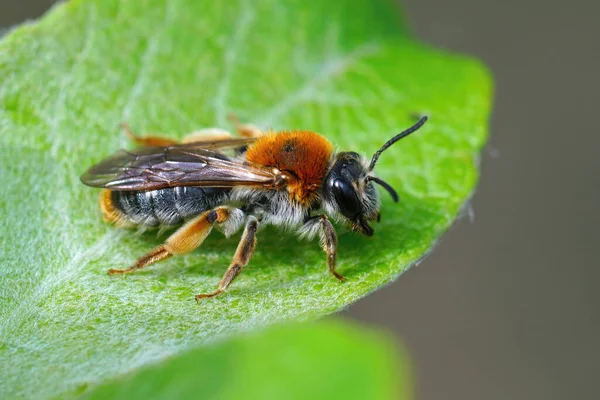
(328, 238)
(245, 130)
(202, 135)
(207, 134)
(185, 239)
(242, 256)
(152, 141)
(329, 243)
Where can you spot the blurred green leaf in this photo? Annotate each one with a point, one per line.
(329, 360)
(344, 68)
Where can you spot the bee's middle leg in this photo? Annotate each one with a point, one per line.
(185, 239)
(242, 256)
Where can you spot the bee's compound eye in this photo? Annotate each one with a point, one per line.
(346, 198)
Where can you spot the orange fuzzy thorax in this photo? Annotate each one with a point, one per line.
(304, 154)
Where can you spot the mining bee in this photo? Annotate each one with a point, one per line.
(291, 179)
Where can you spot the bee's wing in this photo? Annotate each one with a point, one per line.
(148, 168)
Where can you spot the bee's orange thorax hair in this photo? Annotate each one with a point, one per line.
(304, 154)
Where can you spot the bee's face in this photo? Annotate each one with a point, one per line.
(350, 193)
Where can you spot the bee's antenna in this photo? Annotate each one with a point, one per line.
(386, 186)
(393, 140)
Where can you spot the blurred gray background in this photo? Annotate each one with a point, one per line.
(504, 308)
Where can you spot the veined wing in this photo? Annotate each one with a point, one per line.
(149, 168)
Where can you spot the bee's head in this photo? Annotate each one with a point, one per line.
(349, 189)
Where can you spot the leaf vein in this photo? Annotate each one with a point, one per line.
(144, 70)
(244, 21)
(328, 70)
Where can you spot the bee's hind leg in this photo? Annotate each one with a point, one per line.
(153, 141)
(185, 239)
(242, 256)
(202, 135)
(245, 130)
(207, 134)
(216, 134)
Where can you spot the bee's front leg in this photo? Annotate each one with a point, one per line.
(328, 238)
(242, 256)
(329, 243)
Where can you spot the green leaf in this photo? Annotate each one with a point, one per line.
(344, 68)
(322, 361)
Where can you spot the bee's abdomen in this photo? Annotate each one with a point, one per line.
(169, 206)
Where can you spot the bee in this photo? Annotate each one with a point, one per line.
(291, 179)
